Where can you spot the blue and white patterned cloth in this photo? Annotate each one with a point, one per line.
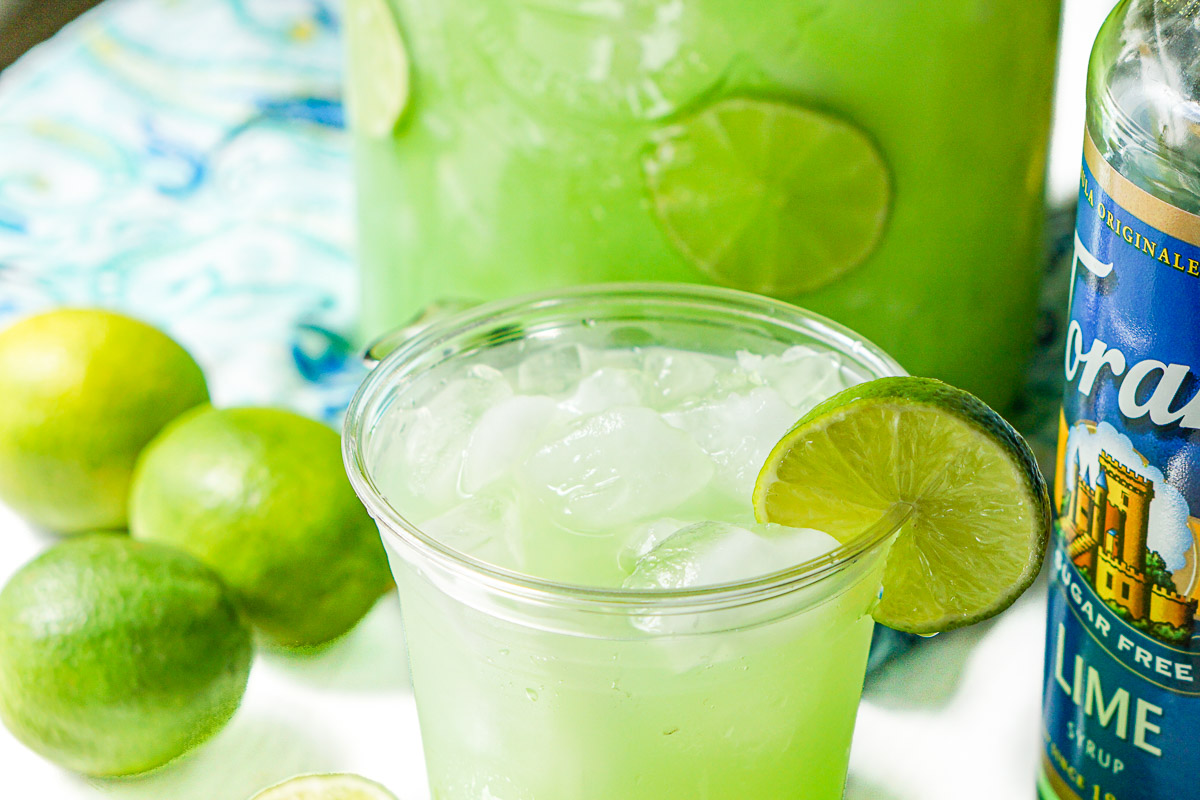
(184, 161)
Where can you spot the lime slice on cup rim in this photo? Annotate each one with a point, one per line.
(326, 787)
(978, 509)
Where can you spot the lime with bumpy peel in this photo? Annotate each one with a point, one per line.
(767, 196)
(81, 393)
(260, 495)
(978, 511)
(377, 81)
(117, 656)
(326, 787)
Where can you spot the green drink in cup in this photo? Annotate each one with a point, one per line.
(880, 162)
(580, 492)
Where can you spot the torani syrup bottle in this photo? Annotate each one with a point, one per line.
(1122, 683)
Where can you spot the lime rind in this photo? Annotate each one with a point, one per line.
(82, 391)
(377, 88)
(768, 196)
(74, 690)
(981, 511)
(259, 494)
(342, 786)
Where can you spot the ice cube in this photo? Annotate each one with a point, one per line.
(607, 387)
(607, 61)
(424, 450)
(504, 436)
(710, 553)
(387, 459)
(645, 537)
(803, 375)
(553, 370)
(487, 527)
(675, 376)
(616, 467)
(737, 431)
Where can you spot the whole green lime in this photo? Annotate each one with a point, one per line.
(117, 656)
(260, 495)
(82, 391)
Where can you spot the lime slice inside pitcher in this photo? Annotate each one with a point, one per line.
(377, 66)
(979, 510)
(767, 196)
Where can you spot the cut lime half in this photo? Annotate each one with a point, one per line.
(326, 787)
(377, 67)
(980, 514)
(768, 196)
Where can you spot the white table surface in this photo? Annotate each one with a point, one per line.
(957, 717)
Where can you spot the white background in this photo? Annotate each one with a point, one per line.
(956, 718)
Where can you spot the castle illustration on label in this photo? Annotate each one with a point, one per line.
(1106, 523)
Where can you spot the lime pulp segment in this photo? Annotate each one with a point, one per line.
(980, 510)
(767, 196)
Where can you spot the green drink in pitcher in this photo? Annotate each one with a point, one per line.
(878, 162)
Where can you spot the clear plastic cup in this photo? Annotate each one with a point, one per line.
(528, 689)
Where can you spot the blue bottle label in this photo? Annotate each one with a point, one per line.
(1122, 683)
